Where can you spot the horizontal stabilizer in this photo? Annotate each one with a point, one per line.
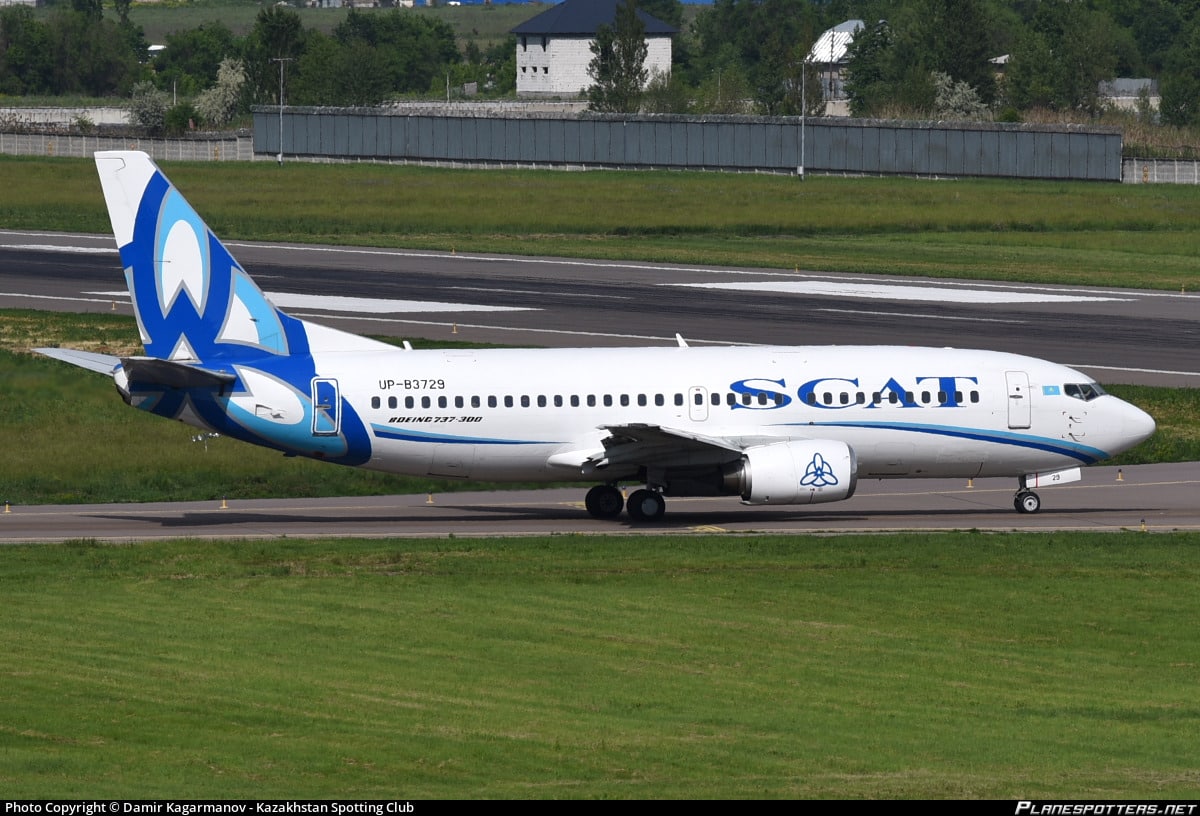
(151, 371)
(91, 360)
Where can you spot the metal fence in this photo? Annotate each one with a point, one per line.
(1161, 171)
(231, 148)
(763, 144)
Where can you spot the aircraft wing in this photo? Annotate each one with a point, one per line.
(92, 361)
(656, 445)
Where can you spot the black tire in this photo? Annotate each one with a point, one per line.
(1027, 501)
(604, 502)
(646, 505)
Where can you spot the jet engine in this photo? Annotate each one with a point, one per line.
(807, 471)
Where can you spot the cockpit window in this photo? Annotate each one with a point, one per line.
(1083, 391)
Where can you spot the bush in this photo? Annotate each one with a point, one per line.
(180, 119)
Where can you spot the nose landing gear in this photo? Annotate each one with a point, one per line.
(1026, 501)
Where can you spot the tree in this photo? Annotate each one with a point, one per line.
(148, 107)
(277, 34)
(26, 64)
(218, 105)
(618, 65)
(1061, 60)
(193, 57)
(868, 71)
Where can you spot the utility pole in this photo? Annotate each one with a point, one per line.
(281, 61)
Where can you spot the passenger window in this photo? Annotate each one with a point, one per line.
(679, 400)
(541, 401)
(558, 401)
(659, 400)
(441, 402)
(574, 400)
(491, 402)
(474, 402)
(391, 402)
(425, 402)
(591, 400)
(508, 401)
(374, 402)
(524, 400)
(608, 400)
(624, 400)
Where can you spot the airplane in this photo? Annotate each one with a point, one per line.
(769, 425)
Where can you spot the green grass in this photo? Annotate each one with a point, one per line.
(923, 666)
(1079, 233)
(66, 437)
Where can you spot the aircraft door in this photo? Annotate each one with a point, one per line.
(327, 407)
(697, 403)
(1019, 408)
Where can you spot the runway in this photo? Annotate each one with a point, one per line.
(1115, 335)
(1153, 498)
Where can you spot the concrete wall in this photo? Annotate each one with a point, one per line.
(854, 146)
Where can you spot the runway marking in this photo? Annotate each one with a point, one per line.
(1137, 370)
(125, 295)
(920, 316)
(52, 248)
(538, 292)
(935, 294)
(355, 305)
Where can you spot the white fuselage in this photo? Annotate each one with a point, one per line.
(905, 411)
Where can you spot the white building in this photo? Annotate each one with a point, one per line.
(554, 48)
(829, 54)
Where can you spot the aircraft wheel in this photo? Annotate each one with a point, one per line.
(1026, 501)
(604, 502)
(646, 505)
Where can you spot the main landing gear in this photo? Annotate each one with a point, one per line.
(606, 502)
(1026, 501)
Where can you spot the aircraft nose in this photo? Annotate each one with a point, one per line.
(1136, 424)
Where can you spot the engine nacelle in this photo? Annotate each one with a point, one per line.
(808, 471)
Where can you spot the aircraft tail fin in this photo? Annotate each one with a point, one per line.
(194, 302)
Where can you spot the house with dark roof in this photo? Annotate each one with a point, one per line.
(554, 48)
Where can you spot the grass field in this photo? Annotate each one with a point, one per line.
(930, 666)
(1082, 233)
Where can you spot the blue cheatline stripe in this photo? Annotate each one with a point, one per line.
(1083, 453)
(407, 435)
